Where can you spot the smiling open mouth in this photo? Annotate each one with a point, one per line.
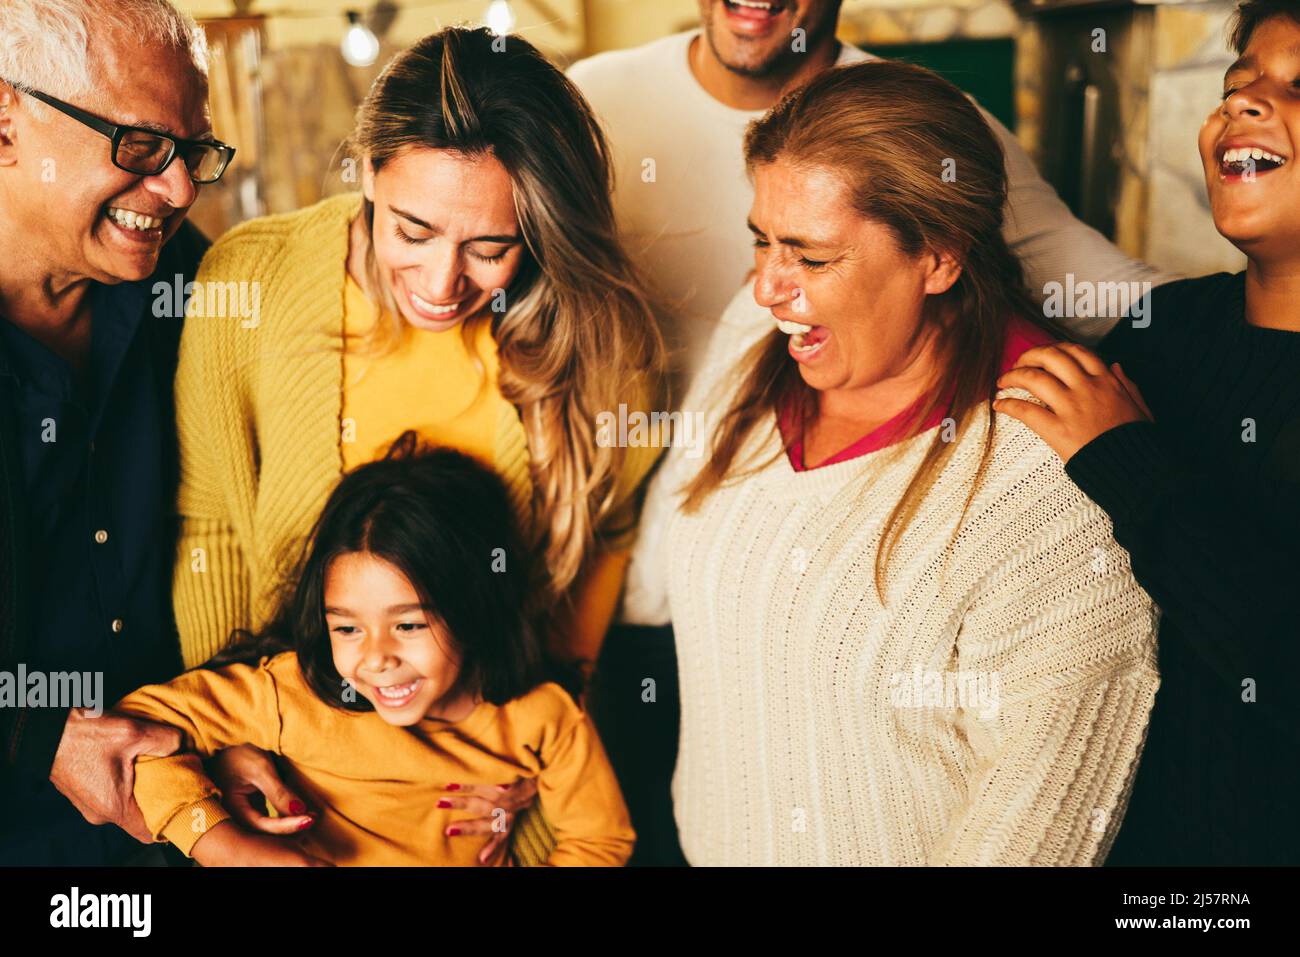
(806, 343)
(432, 311)
(756, 10)
(130, 220)
(804, 339)
(394, 696)
(1249, 159)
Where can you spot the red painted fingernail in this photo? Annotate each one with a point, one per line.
(503, 787)
(443, 802)
(453, 831)
(297, 807)
(306, 824)
(453, 787)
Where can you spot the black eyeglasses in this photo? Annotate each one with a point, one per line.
(147, 152)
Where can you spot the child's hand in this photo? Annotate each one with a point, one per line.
(488, 800)
(229, 845)
(248, 778)
(1084, 398)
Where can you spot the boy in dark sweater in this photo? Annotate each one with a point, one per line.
(1200, 473)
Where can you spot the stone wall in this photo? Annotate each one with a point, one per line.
(1168, 64)
(926, 22)
(1189, 57)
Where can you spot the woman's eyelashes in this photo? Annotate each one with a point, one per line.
(410, 240)
(813, 265)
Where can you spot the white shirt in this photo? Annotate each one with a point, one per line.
(991, 712)
(682, 197)
(680, 189)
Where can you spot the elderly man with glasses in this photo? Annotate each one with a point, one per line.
(105, 141)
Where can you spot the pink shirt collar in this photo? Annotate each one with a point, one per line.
(1021, 337)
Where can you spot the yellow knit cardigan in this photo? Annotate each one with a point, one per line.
(259, 413)
(259, 408)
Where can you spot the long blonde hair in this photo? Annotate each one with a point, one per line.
(578, 335)
(886, 129)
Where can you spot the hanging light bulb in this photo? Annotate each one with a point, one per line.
(360, 45)
(500, 18)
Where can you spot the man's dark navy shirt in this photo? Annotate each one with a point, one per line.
(98, 467)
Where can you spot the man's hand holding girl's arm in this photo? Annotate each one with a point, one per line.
(213, 709)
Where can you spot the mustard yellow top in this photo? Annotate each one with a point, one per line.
(260, 417)
(430, 382)
(261, 404)
(377, 785)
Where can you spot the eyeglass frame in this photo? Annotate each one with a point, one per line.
(115, 132)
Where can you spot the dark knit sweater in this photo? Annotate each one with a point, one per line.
(1207, 502)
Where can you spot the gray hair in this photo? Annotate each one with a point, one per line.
(46, 44)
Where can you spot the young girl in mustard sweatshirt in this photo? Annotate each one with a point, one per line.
(401, 660)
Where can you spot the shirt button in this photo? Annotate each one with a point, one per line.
(118, 625)
(101, 536)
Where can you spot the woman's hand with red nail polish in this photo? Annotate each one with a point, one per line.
(499, 804)
(229, 845)
(249, 781)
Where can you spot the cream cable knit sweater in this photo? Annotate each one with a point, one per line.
(991, 717)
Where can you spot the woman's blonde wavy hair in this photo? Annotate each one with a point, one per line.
(578, 335)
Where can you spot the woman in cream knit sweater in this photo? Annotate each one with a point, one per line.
(904, 636)
(474, 292)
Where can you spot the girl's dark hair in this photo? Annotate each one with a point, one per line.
(1251, 13)
(446, 523)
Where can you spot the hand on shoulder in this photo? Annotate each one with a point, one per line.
(1082, 397)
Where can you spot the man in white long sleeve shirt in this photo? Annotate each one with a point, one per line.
(675, 112)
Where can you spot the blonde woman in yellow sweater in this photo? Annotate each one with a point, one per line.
(401, 656)
(475, 292)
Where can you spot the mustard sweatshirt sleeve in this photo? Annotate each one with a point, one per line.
(215, 425)
(183, 803)
(580, 796)
(213, 709)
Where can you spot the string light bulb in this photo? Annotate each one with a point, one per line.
(360, 45)
(500, 17)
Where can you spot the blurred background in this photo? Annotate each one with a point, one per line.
(1107, 96)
